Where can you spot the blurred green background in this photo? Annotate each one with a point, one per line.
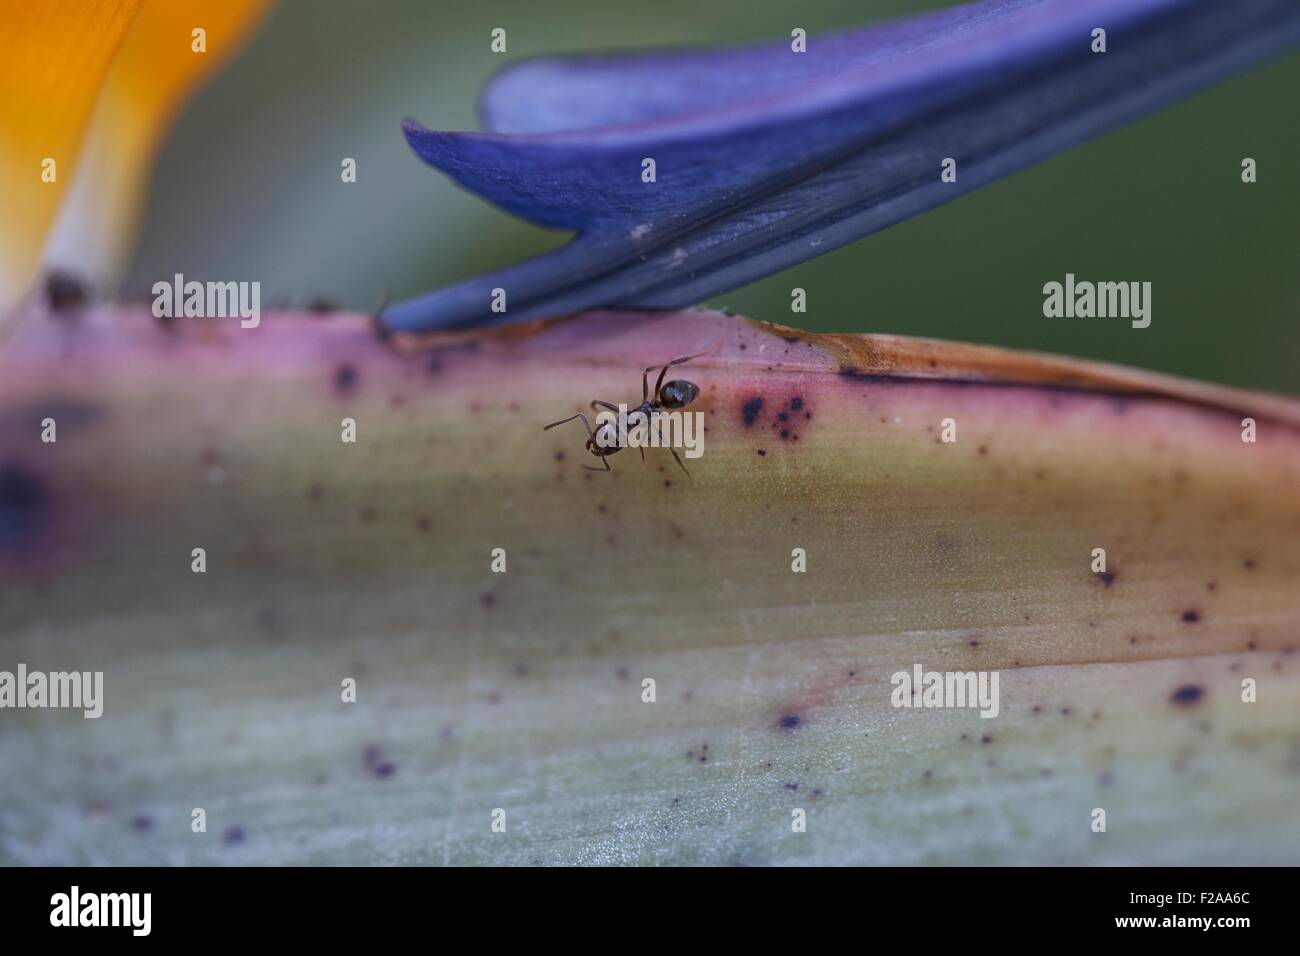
(248, 187)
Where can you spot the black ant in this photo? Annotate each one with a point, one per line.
(675, 394)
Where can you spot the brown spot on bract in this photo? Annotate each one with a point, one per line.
(65, 292)
(25, 506)
(345, 378)
(377, 762)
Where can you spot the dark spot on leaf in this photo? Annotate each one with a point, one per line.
(377, 762)
(322, 306)
(1248, 564)
(64, 292)
(233, 835)
(487, 599)
(24, 506)
(1187, 695)
(749, 411)
(345, 378)
(762, 453)
(1106, 577)
(790, 721)
(796, 403)
(1191, 616)
(986, 739)
(142, 823)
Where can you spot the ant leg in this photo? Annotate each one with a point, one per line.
(590, 434)
(672, 451)
(565, 421)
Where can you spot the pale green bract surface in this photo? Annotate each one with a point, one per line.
(523, 691)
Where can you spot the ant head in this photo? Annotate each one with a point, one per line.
(678, 393)
(604, 440)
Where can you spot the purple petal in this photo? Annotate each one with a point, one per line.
(765, 157)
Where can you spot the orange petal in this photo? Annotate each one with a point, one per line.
(154, 73)
(55, 59)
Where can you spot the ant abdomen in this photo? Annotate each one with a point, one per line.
(678, 393)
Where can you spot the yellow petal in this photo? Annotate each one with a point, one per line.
(55, 58)
(154, 73)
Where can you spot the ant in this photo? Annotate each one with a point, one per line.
(675, 394)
